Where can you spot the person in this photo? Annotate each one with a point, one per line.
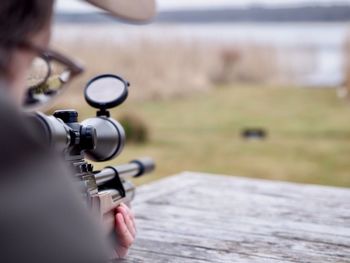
(43, 217)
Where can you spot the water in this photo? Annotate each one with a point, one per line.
(325, 41)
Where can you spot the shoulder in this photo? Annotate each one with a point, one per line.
(17, 140)
(38, 199)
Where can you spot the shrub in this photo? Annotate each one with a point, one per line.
(135, 128)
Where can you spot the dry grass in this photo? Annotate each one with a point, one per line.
(161, 70)
(247, 64)
(345, 90)
(155, 71)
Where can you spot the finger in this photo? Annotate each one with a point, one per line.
(131, 214)
(128, 220)
(125, 238)
(128, 209)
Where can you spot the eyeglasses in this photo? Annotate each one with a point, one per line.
(49, 74)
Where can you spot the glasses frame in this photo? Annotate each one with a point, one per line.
(48, 56)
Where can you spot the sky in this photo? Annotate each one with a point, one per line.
(80, 6)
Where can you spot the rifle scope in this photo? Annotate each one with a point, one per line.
(100, 138)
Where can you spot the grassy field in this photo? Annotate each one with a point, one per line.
(196, 125)
(308, 142)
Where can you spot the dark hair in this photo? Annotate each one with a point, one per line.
(18, 20)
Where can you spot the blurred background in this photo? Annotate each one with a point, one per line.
(256, 88)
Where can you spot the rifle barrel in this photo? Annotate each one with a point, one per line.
(135, 168)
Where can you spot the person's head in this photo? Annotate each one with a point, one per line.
(22, 21)
(25, 28)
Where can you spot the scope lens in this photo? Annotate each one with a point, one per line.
(110, 139)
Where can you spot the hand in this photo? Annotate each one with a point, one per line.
(125, 230)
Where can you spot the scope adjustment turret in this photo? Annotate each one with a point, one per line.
(67, 116)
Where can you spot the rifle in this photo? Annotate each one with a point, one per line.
(98, 139)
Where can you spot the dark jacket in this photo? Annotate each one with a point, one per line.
(42, 215)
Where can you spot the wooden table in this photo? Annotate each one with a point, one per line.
(196, 217)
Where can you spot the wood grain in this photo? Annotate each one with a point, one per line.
(196, 217)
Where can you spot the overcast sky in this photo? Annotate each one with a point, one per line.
(78, 5)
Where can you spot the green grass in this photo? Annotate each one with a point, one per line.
(309, 134)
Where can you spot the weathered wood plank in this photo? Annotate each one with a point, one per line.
(241, 242)
(204, 218)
